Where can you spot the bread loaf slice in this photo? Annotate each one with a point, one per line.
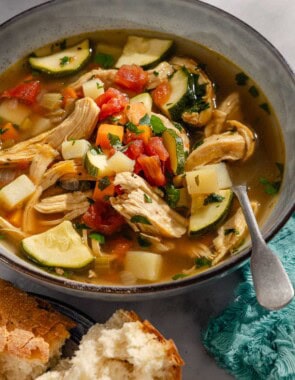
(124, 348)
(31, 334)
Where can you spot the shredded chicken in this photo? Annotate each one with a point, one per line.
(106, 76)
(80, 172)
(231, 234)
(63, 202)
(247, 134)
(12, 231)
(79, 124)
(200, 113)
(159, 218)
(199, 250)
(41, 161)
(216, 124)
(169, 125)
(159, 74)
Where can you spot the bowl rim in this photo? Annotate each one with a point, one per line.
(186, 283)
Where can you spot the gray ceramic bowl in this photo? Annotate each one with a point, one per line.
(196, 21)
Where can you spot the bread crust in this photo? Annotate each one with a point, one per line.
(29, 328)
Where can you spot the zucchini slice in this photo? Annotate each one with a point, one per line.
(145, 52)
(144, 98)
(174, 145)
(64, 62)
(181, 94)
(210, 214)
(60, 246)
(97, 164)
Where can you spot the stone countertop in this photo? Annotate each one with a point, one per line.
(182, 317)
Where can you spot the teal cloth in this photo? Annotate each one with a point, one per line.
(250, 342)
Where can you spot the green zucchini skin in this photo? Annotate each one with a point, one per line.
(221, 213)
(174, 145)
(53, 65)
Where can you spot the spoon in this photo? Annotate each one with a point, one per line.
(271, 282)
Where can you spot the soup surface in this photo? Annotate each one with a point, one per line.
(117, 155)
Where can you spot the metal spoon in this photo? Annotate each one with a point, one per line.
(272, 284)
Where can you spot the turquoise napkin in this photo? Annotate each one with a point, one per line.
(249, 341)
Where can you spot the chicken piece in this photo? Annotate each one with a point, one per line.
(159, 219)
(216, 148)
(106, 76)
(73, 214)
(169, 125)
(216, 124)
(199, 250)
(201, 112)
(159, 74)
(79, 124)
(231, 234)
(63, 202)
(11, 231)
(247, 134)
(41, 162)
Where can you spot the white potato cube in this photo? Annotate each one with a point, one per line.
(144, 265)
(93, 88)
(16, 192)
(14, 111)
(39, 125)
(202, 181)
(119, 163)
(74, 149)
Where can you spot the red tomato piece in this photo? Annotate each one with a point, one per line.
(131, 77)
(155, 147)
(120, 246)
(25, 92)
(161, 94)
(111, 102)
(152, 170)
(135, 149)
(102, 217)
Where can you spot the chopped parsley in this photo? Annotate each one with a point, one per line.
(64, 61)
(156, 73)
(145, 120)
(103, 183)
(172, 195)
(95, 150)
(157, 125)
(178, 126)
(253, 91)
(114, 119)
(199, 106)
(265, 107)
(98, 237)
(202, 261)
(178, 276)
(231, 231)
(3, 130)
(143, 242)
(147, 199)
(99, 86)
(213, 198)
(241, 79)
(270, 188)
(114, 140)
(133, 128)
(81, 226)
(139, 219)
(104, 60)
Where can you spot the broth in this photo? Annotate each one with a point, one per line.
(260, 171)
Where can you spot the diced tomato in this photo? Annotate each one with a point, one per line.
(120, 246)
(135, 149)
(155, 147)
(25, 92)
(131, 77)
(161, 93)
(102, 217)
(111, 102)
(152, 169)
(119, 190)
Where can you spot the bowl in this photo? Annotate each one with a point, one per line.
(195, 21)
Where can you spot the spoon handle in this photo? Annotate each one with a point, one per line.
(272, 284)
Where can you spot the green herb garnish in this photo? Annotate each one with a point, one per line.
(81, 226)
(143, 242)
(104, 60)
(253, 91)
(241, 79)
(270, 188)
(202, 261)
(157, 125)
(145, 120)
(114, 141)
(90, 201)
(139, 219)
(99, 86)
(64, 61)
(199, 106)
(178, 276)
(95, 150)
(172, 195)
(213, 198)
(265, 107)
(156, 73)
(147, 199)
(133, 128)
(98, 237)
(178, 126)
(103, 183)
(3, 130)
(231, 231)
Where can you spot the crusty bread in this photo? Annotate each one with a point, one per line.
(31, 334)
(124, 348)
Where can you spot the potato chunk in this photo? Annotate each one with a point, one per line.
(16, 192)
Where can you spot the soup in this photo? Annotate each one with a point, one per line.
(118, 154)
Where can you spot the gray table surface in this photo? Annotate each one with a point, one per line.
(183, 317)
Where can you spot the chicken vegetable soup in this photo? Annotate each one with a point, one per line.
(118, 152)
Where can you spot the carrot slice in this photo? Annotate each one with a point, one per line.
(102, 190)
(103, 132)
(8, 132)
